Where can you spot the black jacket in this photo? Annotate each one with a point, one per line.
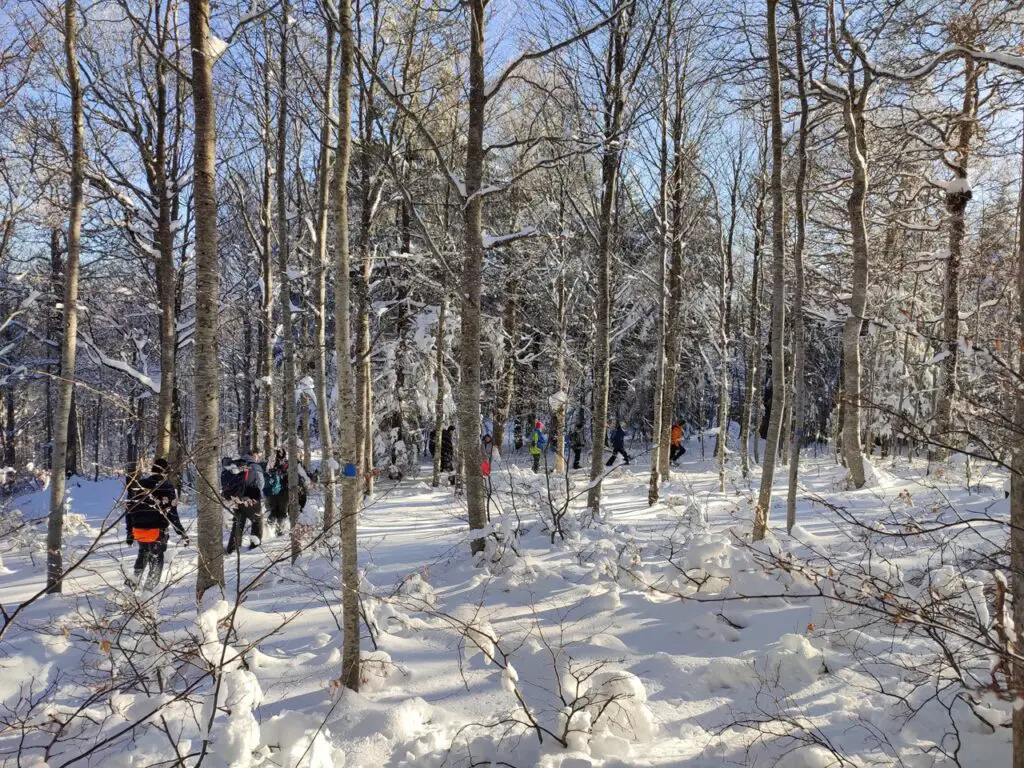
(153, 503)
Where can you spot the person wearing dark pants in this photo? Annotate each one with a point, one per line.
(241, 484)
(277, 499)
(576, 443)
(618, 440)
(152, 506)
(677, 448)
(538, 442)
(448, 449)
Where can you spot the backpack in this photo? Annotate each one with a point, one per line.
(142, 507)
(233, 481)
(542, 440)
(272, 485)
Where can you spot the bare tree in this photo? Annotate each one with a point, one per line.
(799, 352)
(764, 498)
(320, 291)
(207, 370)
(351, 491)
(66, 388)
(283, 268)
(957, 195)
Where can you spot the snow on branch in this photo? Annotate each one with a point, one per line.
(98, 357)
(494, 241)
(1003, 58)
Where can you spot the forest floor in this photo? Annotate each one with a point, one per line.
(659, 636)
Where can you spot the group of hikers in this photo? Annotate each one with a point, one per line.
(538, 444)
(251, 489)
(151, 507)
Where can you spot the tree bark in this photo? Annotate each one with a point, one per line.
(364, 403)
(66, 383)
(1017, 487)
(558, 418)
(207, 370)
(439, 381)
(267, 326)
(853, 119)
(350, 486)
(674, 307)
(320, 297)
(510, 338)
(958, 195)
(725, 318)
(614, 108)
(796, 439)
(283, 257)
(764, 499)
(753, 346)
(165, 271)
(472, 278)
(653, 489)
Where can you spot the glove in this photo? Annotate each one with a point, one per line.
(129, 539)
(184, 540)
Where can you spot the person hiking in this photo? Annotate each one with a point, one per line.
(275, 490)
(488, 454)
(618, 440)
(576, 443)
(241, 484)
(677, 449)
(538, 441)
(152, 506)
(448, 449)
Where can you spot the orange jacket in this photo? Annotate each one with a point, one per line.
(677, 434)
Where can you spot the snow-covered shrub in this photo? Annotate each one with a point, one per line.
(235, 736)
(296, 739)
(792, 664)
(378, 671)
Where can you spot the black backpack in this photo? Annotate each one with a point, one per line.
(233, 481)
(143, 508)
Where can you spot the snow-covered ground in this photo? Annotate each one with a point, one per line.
(658, 636)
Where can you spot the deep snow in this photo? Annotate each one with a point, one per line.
(657, 637)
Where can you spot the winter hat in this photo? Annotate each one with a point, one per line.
(160, 464)
(539, 424)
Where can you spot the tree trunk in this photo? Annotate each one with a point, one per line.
(283, 256)
(1017, 488)
(753, 346)
(207, 370)
(674, 309)
(10, 427)
(439, 382)
(657, 431)
(958, 194)
(66, 383)
(350, 486)
(796, 439)
(614, 107)
(558, 419)
(764, 499)
(725, 315)
(472, 278)
(853, 119)
(165, 271)
(267, 326)
(96, 440)
(74, 447)
(320, 296)
(510, 338)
